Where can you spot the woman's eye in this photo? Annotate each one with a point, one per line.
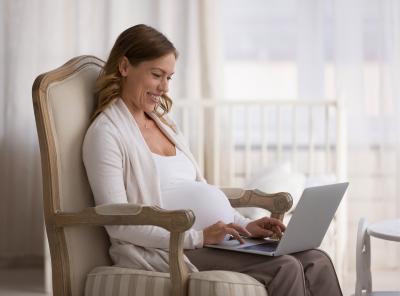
(156, 75)
(169, 78)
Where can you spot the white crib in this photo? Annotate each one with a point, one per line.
(236, 142)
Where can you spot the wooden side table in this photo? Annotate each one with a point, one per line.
(387, 230)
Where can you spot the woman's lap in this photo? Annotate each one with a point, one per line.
(216, 259)
(294, 274)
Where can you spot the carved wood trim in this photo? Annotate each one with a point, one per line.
(48, 153)
(277, 203)
(173, 221)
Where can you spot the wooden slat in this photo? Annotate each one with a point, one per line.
(279, 133)
(294, 138)
(264, 135)
(327, 140)
(216, 144)
(311, 141)
(231, 145)
(200, 139)
(248, 134)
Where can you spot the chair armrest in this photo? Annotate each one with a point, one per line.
(277, 203)
(126, 214)
(177, 222)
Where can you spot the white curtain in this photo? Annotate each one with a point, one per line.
(358, 41)
(37, 36)
(348, 50)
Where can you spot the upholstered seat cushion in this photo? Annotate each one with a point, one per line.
(106, 281)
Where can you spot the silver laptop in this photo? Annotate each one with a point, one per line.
(306, 228)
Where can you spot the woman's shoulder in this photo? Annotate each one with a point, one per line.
(101, 124)
(101, 131)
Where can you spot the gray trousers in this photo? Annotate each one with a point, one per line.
(308, 273)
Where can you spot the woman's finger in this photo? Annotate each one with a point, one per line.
(277, 231)
(234, 233)
(262, 232)
(243, 231)
(276, 222)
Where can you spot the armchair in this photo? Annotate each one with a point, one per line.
(63, 102)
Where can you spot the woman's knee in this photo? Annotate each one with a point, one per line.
(315, 258)
(291, 265)
(322, 257)
(289, 279)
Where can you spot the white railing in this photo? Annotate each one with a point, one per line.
(306, 134)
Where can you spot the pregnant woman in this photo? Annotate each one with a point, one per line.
(134, 153)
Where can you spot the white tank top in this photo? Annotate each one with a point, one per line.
(180, 190)
(174, 169)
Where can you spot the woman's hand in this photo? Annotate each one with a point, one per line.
(265, 227)
(216, 233)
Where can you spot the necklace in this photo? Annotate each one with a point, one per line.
(147, 122)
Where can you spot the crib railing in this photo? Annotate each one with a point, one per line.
(232, 140)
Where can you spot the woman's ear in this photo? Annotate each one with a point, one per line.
(124, 66)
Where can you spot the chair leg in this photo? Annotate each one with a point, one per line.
(363, 259)
(48, 285)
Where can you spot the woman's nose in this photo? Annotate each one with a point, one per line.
(163, 86)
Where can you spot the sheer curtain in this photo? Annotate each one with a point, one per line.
(346, 50)
(349, 50)
(37, 36)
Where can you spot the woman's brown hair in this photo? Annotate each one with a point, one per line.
(138, 43)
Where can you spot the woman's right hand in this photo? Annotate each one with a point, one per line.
(215, 234)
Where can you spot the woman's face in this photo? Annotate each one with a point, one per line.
(144, 83)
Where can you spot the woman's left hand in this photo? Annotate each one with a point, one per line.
(265, 227)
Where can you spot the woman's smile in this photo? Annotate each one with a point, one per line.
(155, 98)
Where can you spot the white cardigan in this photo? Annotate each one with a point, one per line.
(121, 169)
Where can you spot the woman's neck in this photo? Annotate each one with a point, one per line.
(142, 119)
(136, 112)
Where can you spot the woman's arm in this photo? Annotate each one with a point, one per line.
(103, 160)
(153, 236)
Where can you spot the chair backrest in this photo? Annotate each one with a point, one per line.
(63, 102)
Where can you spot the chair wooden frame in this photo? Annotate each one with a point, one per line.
(176, 222)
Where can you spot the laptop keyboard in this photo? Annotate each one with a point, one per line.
(264, 247)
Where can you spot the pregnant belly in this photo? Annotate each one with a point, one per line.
(208, 203)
